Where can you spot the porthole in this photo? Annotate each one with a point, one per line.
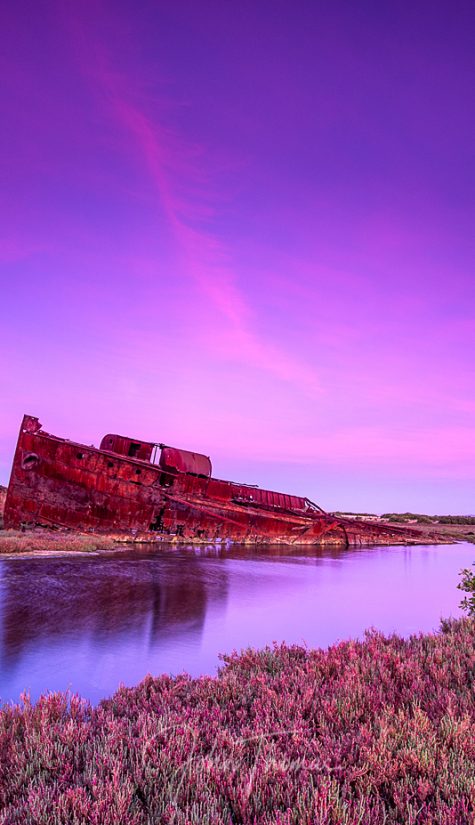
(30, 461)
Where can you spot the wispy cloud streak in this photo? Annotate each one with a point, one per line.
(178, 181)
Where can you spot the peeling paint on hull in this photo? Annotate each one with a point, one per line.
(60, 483)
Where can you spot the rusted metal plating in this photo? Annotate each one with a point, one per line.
(122, 489)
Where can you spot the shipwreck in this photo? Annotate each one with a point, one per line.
(145, 491)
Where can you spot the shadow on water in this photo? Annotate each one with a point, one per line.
(90, 622)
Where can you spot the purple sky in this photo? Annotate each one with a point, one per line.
(244, 228)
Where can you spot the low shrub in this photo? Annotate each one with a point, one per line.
(30, 541)
(373, 732)
(467, 584)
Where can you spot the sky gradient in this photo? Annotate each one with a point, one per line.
(246, 229)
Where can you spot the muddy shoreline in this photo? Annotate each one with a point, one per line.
(40, 541)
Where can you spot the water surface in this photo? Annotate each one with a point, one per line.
(90, 622)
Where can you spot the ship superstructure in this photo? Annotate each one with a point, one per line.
(149, 491)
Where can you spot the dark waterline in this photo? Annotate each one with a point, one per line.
(88, 623)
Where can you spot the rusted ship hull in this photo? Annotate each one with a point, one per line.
(119, 489)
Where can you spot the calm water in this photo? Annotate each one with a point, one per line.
(89, 623)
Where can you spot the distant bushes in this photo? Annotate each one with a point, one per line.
(373, 732)
(421, 518)
(356, 515)
(3, 495)
(417, 517)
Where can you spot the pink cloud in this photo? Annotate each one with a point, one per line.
(178, 181)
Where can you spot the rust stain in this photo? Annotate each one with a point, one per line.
(149, 491)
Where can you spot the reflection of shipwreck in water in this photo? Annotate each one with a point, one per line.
(47, 602)
(151, 492)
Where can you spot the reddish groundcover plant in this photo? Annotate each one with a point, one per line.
(372, 732)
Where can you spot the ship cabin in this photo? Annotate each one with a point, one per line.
(129, 447)
(171, 460)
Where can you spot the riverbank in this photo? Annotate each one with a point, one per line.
(447, 532)
(443, 528)
(38, 541)
(374, 731)
(41, 540)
